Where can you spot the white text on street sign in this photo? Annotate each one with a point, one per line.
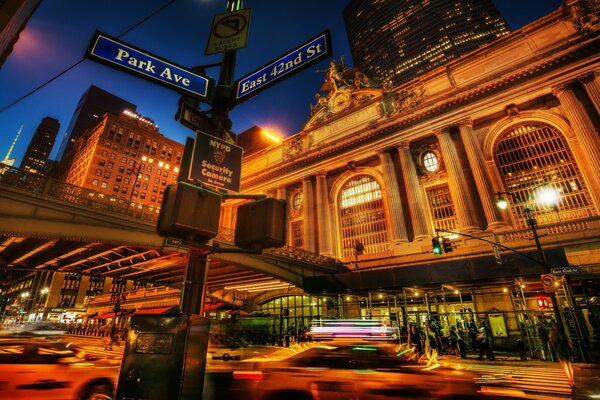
(229, 31)
(284, 67)
(565, 270)
(216, 162)
(145, 65)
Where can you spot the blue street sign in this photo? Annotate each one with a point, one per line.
(138, 62)
(284, 67)
(216, 162)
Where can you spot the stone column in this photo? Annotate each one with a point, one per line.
(393, 200)
(323, 216)
(592, 88)
(459, 190)
(585, 133)
(308, 215)
(281, 194)
(482, 181)
(414, 194)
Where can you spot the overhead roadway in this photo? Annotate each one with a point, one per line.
(50, 225)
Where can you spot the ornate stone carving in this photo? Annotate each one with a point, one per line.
(346, 88)
(586, 14)
(293, 147)
(410, 97)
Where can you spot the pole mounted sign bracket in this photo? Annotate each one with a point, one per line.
(128, 58)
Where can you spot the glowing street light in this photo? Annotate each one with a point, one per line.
(271, 136)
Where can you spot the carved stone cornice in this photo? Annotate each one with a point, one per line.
(427, 110)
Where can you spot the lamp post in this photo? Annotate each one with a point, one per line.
(531, 221)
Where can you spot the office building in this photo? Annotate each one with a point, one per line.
(125, 157)
(40, 146)
(399, 40)
(90, 109)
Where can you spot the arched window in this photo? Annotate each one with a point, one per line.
(362, 216)
(534, 155)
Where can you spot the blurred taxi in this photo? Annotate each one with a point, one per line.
(353, 371)
(42, 369)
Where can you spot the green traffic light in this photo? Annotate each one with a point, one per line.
(437, 248)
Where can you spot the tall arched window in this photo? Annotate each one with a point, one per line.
(362, 216)
(532, 155)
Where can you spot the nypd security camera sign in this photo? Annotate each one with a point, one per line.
(216, 162)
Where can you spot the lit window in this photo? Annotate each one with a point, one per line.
(534, 155)
(430, 161)
(362, 216)
(297, 201)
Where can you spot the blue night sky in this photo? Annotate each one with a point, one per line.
(60, 31)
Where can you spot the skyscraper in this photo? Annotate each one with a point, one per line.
(41, 144)
(14, 14)
(92, 105)
(401, 39)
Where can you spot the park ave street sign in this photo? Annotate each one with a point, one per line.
(128, 58)
(285, 66)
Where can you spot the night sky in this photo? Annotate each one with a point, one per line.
(60, 31)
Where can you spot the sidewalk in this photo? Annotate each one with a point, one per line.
(509, 360)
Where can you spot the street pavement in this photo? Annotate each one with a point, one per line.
(531, 379)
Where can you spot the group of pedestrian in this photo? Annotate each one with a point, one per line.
(426, 344)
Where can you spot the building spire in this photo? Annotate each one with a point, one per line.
(10, 149)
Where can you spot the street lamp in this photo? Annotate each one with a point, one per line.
(548, 196)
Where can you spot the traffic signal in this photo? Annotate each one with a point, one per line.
(542, 302)
(446, 245)
(261, 224)
(437, 248)
(190, 213)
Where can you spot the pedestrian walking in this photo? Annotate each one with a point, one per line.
(431, 346)
(414, 341)
(484, 341)
(563, 349)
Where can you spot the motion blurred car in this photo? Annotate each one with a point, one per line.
(353, 371)
(41, 369)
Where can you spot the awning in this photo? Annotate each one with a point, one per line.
(159, 310)
(105, 316)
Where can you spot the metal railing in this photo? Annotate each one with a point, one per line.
(75, 195)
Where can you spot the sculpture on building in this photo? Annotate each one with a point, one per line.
(343, 88)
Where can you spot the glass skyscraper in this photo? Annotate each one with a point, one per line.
(397, 40)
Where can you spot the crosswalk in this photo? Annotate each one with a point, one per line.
(532, 382)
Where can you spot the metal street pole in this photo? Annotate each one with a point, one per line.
(532, 223)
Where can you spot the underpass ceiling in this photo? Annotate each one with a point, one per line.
(20, 256)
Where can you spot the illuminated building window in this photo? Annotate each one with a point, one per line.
(297, 311)
(362, 216)
(533, 155)
(297, 234)
(297, 201)
(430, 161)
(441, 207)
